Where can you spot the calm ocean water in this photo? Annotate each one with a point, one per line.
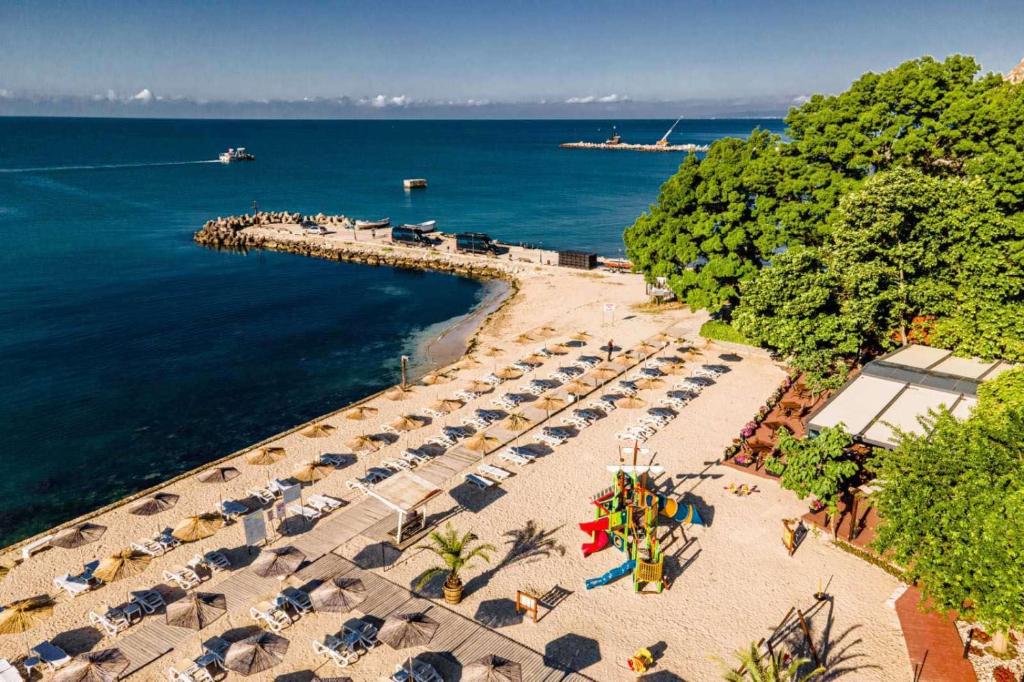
(128, 354)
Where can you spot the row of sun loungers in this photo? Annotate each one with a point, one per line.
(356, 637)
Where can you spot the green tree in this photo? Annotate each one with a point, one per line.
(456, 552)
(714, 223)
(755, 666)
(950, 506)
(816, 466)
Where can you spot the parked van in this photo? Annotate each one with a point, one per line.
(408, 236)
(474, 242)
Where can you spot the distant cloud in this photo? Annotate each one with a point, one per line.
(144, 95)
(591, 99)
(382, 101)
(801, 99)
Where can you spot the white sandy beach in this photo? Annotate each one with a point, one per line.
(734, 583)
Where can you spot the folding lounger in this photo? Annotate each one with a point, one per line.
(334, 650)
(51, 655)
(305, 511)
(324, 502)
(514, 458)
(493, 471)
(479, 482)
(149, 600)
(183, 577)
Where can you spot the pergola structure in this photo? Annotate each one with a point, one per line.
(404, 493)
(898, 389)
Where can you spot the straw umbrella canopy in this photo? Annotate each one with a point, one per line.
(580, 336)
(578, 387)
(672, 367)
(266, 456)
(631, 403)
(546, 332)
(406, 422)
(311, 472)
(492, 668)
(481, 442)
(318, 430)
(361, 412)
(534, 359)
(523, 339)
(154, 504)
(278, 562)
(104, 665)
(79, 535)
(25, 614)
(435, 378)
(604, 373)
(645, 348)
(364, 443)
(662, 337)
(338, 595)
(648, 383)
(516, 422)
(124, 564)
(255, 654)
(558, 349)
(468, 362)
(508, 373)
(493, 352)
(196, 610)
(397, 393)
(407, 630)
(548, 403)
(194, 528)
(479, 387)
(625, 360)
(219, 475)
(446, 405)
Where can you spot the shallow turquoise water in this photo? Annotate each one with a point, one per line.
(129, 354)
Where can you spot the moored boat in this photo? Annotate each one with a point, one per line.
(373, 224)
(423, 228)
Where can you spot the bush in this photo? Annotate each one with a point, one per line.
(723, 331)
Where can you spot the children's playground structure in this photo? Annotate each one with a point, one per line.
(627, 518)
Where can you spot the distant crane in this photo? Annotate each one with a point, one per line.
(663, 142)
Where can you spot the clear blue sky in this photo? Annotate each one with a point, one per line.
(495, 50)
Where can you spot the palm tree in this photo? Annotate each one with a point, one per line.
(771, 667)
(456, 553)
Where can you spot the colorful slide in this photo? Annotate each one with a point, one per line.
(599, 529)
(612, 575)
(683, 513)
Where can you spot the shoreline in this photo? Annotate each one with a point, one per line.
(455, 341)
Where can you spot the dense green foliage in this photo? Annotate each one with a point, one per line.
(756, 666)
(815, 467)
(897, 200)
(456, 552)
(951, 506)
(722, 331)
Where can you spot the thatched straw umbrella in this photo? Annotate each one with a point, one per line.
(406, 422)
(492, 668)
(361, 412)
(524, 339)
(481, 442)
(255, 654)
(508, 373)
(398, 393)
(278, 562)
(479, 387)
(625, 360)
(219, 475)
(124, 564)
(407, 630)
(338, 595)
(580, 336)
(578, 387)
(447, 405)
(195, 528)
(645, 348)
(435, 378)
(196, 610)
(318, 430)
(604, 373)
(104, 665)
(546, 332)
(548, 403)
(25, 614)
(493, 352)
(630, 403)
(468, 362)
(155, 504)
(311, 472)
(558, 349)
(516, 422)
(535, 359)
(364, 443)
(79, 535)
(672, 368)
(648, 383)
(266, 456)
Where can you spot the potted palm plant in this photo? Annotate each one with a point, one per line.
(456, 552)
(756, 666)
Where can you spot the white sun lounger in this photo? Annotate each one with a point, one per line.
(494, 472)
(262, 494)
(150, 547)
(183, 577)
(35, 546)
(112, 626)
(149, 600)
(71, 584)
(515, 458)
(51, 655)
(304, 510)
(324, 502)
(335, 651)
(194, 673)
(397, 464)
(334, 460)
(8, 673)
(481, 482)
(270, 615)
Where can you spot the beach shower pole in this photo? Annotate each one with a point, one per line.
(405, 366)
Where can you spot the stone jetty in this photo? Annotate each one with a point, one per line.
(275, 231)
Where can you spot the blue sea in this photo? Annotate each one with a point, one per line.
(128, 354)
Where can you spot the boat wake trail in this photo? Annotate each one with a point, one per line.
(104, 166)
